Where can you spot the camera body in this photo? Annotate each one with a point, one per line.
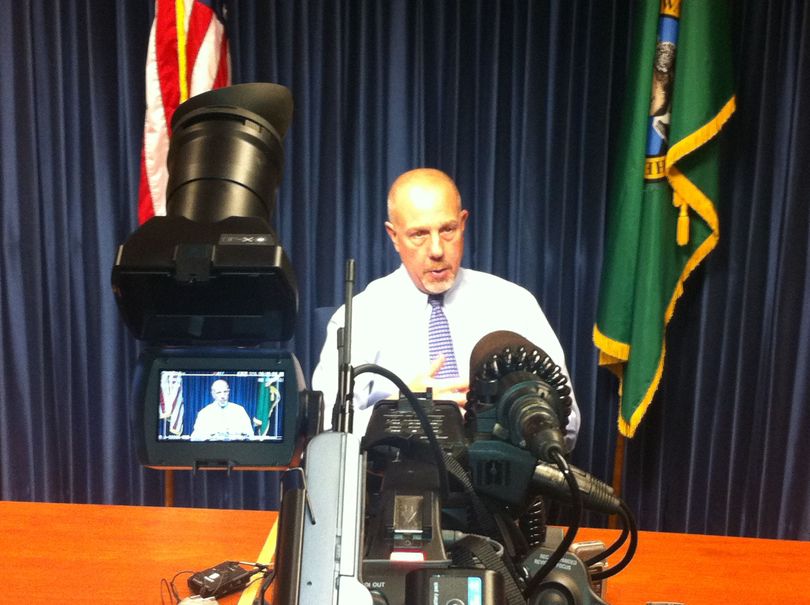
(405, 558)
(409, 523)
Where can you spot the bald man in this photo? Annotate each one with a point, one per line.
(221, 420)
(391, 316)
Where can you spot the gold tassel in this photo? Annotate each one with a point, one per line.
(683, 225)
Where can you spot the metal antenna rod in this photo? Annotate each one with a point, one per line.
(345, 420)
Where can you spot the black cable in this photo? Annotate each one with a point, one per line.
(216, 587)
(533, 522)
(267, 580)
(262, 572)
(164, 583)
(169, 584)
(619, 542)
(627, 515)
(436, 450)
(568, 539)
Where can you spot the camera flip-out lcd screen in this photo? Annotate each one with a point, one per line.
(199, 405)
(218, 408)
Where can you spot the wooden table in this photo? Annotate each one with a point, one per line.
(75, 553)
(709, 570)
(84, 553)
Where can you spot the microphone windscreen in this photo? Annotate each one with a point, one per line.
(493, 344)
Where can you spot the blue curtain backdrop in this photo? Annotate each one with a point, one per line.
(519, 101)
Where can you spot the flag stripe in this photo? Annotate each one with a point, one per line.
(146, 207)
(180, 28)
(223, 76)
(198, 28)
(187, 55)
(166, 58)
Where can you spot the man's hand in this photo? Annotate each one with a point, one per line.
(444, 389)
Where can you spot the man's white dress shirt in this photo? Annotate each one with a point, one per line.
(218, 423)
(390, 328)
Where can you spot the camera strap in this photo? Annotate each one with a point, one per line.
(472, 550)
(483, 517)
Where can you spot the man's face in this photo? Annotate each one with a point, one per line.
(427, 229)
(221, 393)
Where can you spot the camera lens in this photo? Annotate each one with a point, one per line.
(226, 155)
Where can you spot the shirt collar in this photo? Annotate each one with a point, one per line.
(412, 292)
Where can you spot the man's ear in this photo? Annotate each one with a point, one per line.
(463, 218)
(389, 228)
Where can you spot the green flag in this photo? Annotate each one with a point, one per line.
(662, 220)
(267, 399)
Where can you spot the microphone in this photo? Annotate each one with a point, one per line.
(595, 494)
(529, 396)
(519, 394)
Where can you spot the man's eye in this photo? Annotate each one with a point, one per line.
(419, 236)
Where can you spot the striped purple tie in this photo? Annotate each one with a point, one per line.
(439, 340)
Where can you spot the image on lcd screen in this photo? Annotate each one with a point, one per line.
(221, 406)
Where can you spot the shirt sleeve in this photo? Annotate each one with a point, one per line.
(199, 430)
(246, 426)
(325, 376)
(540, 332)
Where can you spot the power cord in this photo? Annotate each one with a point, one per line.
(171, 588)
(267, 581)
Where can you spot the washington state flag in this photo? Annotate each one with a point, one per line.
(662, 218)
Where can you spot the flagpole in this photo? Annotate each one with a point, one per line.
(168, 488)
(618, 472)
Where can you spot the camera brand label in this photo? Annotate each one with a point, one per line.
(244, 239)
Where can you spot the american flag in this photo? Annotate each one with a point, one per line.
(188, 54)
(172, 406)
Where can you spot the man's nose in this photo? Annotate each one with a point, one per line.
(436, 246)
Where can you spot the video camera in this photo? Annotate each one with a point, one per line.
(429, 507)
(208, 286)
